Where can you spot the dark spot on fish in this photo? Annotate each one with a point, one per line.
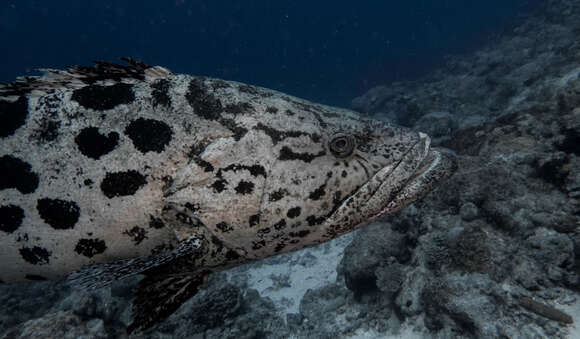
(336, 199)
(22, 237)
(90, 247)
(12, 116)
(47, 130)
(35, 255)
(93, 144)
(193, 207)
(293, 212)
(238, 130)
(59, 214)
(239, 108)
(256, 245)
(254, 220)
(287, 154)
(204, 103)
(15, 173)
(137, 234)
(313, 220)
(88, 182)
(344, 174)
(149, 135)
(280, 246)
(217, 84)
(216, 241)
(224, 227)
(102, 98)
(197, 149)
(219, 185)
(248, 89)
(299, 234)
(272, 110)
(330, 115)
(161, 249)
(262, 232)
(245, 187)
(11, 217)
(34, 277)
(278, 195)
(207, 167)
(280, 225)
(254, 170)
(318, 193)
(156, 223)
(185, 219)
(122, 183)
(278, 136)
(290, 113)
(160, 93)
(232, 255)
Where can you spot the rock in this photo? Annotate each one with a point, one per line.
(469, 211)
(437, 125)
(369, 249)
(215, 307)
(60, 325)
(554, 253)
(470, 252)
(390, 277)
(553, 167)
(409, 301)
(371, 100)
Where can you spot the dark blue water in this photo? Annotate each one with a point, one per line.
(326, 51)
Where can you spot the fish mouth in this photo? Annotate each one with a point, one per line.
(395, 186)
(436, 165)
(419, 171)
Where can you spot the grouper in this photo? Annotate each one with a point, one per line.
(114, 170)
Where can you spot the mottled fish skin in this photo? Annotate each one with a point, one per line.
(109, 163)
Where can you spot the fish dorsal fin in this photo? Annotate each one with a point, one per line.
(159, 295)
(101, 72)
(101, 275)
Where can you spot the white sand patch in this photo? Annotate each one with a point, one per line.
(573, 309)
(286, 278)
(407, 330)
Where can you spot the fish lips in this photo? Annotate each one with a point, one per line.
(437, 165)
(394, 187)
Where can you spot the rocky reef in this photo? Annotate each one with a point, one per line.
(493, 253)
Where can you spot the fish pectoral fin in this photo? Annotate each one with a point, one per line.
(157, 297)
(96, 276)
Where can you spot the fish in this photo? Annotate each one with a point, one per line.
(114, 170)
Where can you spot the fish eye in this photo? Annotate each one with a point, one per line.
(342, 145)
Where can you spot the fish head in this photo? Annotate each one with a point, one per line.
(305, 173)
(358, 170)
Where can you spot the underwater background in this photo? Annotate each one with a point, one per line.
(494, 252)
(327, 52)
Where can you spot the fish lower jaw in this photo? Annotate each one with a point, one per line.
(437, 166)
